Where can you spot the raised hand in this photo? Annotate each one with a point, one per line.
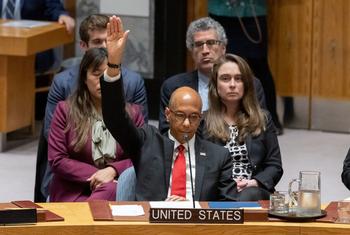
(116, 42)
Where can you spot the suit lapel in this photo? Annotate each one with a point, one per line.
(201, 163)
(168, 159)
(248, 143)
(194, 80)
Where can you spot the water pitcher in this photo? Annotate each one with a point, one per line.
(308, 202)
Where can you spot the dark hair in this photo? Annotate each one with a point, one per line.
(91, 23)
(82, 112)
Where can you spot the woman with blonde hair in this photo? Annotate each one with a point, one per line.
(84, 157)
(236, 121)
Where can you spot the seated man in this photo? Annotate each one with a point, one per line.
(206, 41)
(345, 176)
(162, 162)
(93, 34)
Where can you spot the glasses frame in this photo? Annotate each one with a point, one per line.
(210, 43)
(181, 116)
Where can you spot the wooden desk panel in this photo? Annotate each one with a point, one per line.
(78, 220)
(29, 41)
(17, 83)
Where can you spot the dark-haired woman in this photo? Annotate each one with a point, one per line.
(85, 159)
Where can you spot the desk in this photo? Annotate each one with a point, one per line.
(18, 47)
(78, 220)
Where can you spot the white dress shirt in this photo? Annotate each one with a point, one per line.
(203, 88)
(193, 165)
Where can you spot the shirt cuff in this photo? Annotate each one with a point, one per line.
(110, 79)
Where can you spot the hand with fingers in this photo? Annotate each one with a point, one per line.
(175, 198)
(68, 21)
(101, 176)
(116, 42)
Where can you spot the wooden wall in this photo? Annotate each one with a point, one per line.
(309, 47)
(331, 49)
(195, 10)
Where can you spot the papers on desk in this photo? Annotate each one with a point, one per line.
(25, 23)
(127, 210)
(179, 204)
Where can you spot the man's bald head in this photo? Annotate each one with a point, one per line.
(185, 95)
(184, 113)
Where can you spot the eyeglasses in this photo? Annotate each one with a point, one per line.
(181, 117)
(210, 43)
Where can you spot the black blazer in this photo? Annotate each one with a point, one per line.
(152, 154)
(345, 175)
(263, 152)
(191, 79)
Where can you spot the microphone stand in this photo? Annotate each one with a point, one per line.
(189, 159)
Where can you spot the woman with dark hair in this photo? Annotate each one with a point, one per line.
(236, 121)
(85, 159)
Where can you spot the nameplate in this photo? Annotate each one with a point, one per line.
(209, 216)
(21, 215)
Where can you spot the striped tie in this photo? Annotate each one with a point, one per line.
(10, 9)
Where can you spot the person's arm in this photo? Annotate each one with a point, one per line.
(272, 170)
(56, 94)
(163, 124)
(345, 175)
(54, 10)
(116, 119)
(67, 21)
(227, 186)
(58, 155)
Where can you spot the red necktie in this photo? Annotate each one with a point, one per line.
(178, 180)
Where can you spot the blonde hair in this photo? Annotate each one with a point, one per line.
(250, 119)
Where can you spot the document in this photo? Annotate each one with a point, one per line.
(179, 204)
(25, 23)
(127, 210)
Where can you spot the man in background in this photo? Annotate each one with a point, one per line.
(206, 40)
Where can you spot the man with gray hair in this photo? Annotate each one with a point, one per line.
(206, 40)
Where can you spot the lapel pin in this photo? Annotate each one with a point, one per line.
(203, 154)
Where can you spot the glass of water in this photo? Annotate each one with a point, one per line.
(279, 202)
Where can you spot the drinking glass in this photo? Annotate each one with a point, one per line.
(279, 202)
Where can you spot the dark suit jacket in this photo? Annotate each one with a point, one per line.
(191, 79)
(41, 9)
(263, 152)
(47, 10)
(345, 175)
(153, 155)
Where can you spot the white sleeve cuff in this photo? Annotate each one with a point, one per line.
(110, 79)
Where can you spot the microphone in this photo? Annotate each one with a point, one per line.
(185, 136)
